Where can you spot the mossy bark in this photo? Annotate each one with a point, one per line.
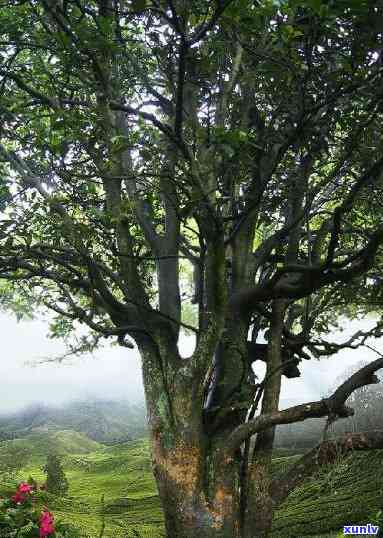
(198, 486)
(260, 507)
(188, 510)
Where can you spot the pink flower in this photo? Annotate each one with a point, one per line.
(18, 498)
(22, 491)
(46, 524)
(25, 488)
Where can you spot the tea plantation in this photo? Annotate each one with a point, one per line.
(112, 491)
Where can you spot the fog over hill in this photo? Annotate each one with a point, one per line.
(101, 420)
(114, 373)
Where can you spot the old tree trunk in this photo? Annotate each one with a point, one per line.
(206, 166)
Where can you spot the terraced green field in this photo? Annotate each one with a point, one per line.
(349, 492)
(121, 473)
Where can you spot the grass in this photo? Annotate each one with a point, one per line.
(348, 492)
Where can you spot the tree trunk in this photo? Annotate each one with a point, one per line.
(198, 486)
(197, 489)
(259, 514)
(189, 511)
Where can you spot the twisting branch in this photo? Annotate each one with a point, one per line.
(298, 281)
(333, 405)
(322, 347)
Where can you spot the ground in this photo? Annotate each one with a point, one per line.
(349, 492)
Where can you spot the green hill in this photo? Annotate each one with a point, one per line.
(350, 491)
(103, 421)
(122, 473)
(38, 444)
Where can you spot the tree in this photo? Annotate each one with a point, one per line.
(145, 139)
(56, 482)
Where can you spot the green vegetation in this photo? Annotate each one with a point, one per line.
(40, 444)
(122, 473)
(350, 491)
(56, 482)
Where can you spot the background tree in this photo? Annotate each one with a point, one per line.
(240, 140)
(56, 481)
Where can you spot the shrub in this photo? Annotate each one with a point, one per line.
(20, 517)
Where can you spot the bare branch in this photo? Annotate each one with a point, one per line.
(334, 405)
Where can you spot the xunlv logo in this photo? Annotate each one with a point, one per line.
(361, 529)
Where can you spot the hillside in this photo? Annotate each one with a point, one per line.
(122, 473)
(349, 492)
(103, 421)
(40, 444)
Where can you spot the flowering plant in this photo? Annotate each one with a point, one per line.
(46, 524)
(21, 517)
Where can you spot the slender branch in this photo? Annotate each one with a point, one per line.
(204, 28)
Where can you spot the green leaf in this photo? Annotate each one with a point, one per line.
(138, 5)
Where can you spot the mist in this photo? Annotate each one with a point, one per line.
(114, 373)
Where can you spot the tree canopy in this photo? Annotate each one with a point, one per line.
(240, 142)
(178, 130)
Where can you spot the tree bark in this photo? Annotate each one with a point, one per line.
(188, 510)
(259, 512)
(196, 485)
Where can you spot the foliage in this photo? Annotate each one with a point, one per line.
(67, 143)
(20, 517)
(243, 138)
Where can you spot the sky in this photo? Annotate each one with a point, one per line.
(115, 372)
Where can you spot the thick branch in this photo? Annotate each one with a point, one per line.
(296, 282)
(332, 406)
